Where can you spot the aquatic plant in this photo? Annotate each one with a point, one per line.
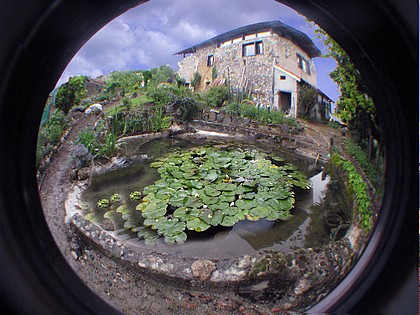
(209, 187)
(103, 203)
(135, 195)
(115, 198)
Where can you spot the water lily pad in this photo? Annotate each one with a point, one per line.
(229, 220)
(194, 184)
(157, 164)
(122, 209)
(226, 187)
(232, 211)
(91, 217)
(197, 225)
(209, 200)
(245, 204)
(148, 235)
(211, 176)
(224, 197)
(154, 210)
(182, 214)
(171, 227)
(179, 238)
(249, 196)
(209, 191)
(272, 216)
(260, 212)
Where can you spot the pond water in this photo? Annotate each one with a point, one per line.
(308, 226)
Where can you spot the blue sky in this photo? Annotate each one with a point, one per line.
(149, 35)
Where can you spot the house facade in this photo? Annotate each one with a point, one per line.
(270, 61)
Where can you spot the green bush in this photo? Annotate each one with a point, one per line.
(216, 96)
(371, 170)
(187, 107)
(50, 134)
(89, 139)
(248, 109)
(358, 188)
(70, 94)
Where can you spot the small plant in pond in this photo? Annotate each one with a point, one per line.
(209, 187)
(115, 198)
(135, 195)
(103, 203)
(84, 206)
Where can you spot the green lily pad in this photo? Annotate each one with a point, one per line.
(229, 220)
(209, 191)
(157, 164)
(260, 212)
(245, 204)
(171, 227)
(211, 176)
(122, 209)
(197, 225)
(226, 187)
(179, 238)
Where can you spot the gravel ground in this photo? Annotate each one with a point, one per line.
(120, 284)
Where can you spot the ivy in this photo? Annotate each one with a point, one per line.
(359, 189)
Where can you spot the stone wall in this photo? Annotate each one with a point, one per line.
(253, 73)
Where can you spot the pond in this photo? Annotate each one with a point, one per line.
(306, 226)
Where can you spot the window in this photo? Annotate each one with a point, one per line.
(248, 49)
(259, 48)
(252, 49)
(282, 77)
(304, 64)
(210, 60)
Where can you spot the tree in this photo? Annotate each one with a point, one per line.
(354, 107)
(307, 98)
(71, 93)
(147, 75)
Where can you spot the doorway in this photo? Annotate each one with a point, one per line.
(285, 102)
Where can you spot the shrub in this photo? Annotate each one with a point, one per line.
(70, 94)
(248, 109)
(50, 134)
(358, 188)
(88, 138)
(187, 108)
(195, 80)
(216, 96)
(369, 168)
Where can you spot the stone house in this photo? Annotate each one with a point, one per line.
(270, 61)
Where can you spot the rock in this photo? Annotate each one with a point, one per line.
(302, 287)
(175, 129)
(212, 116)
(227, 119)
(79, 151)
(73, 175)
(94, 109)
(83, 173)
(220, 117)
(247, 121)
(202, 269)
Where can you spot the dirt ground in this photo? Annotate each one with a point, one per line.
(121, 285)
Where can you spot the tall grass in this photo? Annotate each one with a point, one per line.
(260, 114)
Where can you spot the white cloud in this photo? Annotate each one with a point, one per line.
(149, 35)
